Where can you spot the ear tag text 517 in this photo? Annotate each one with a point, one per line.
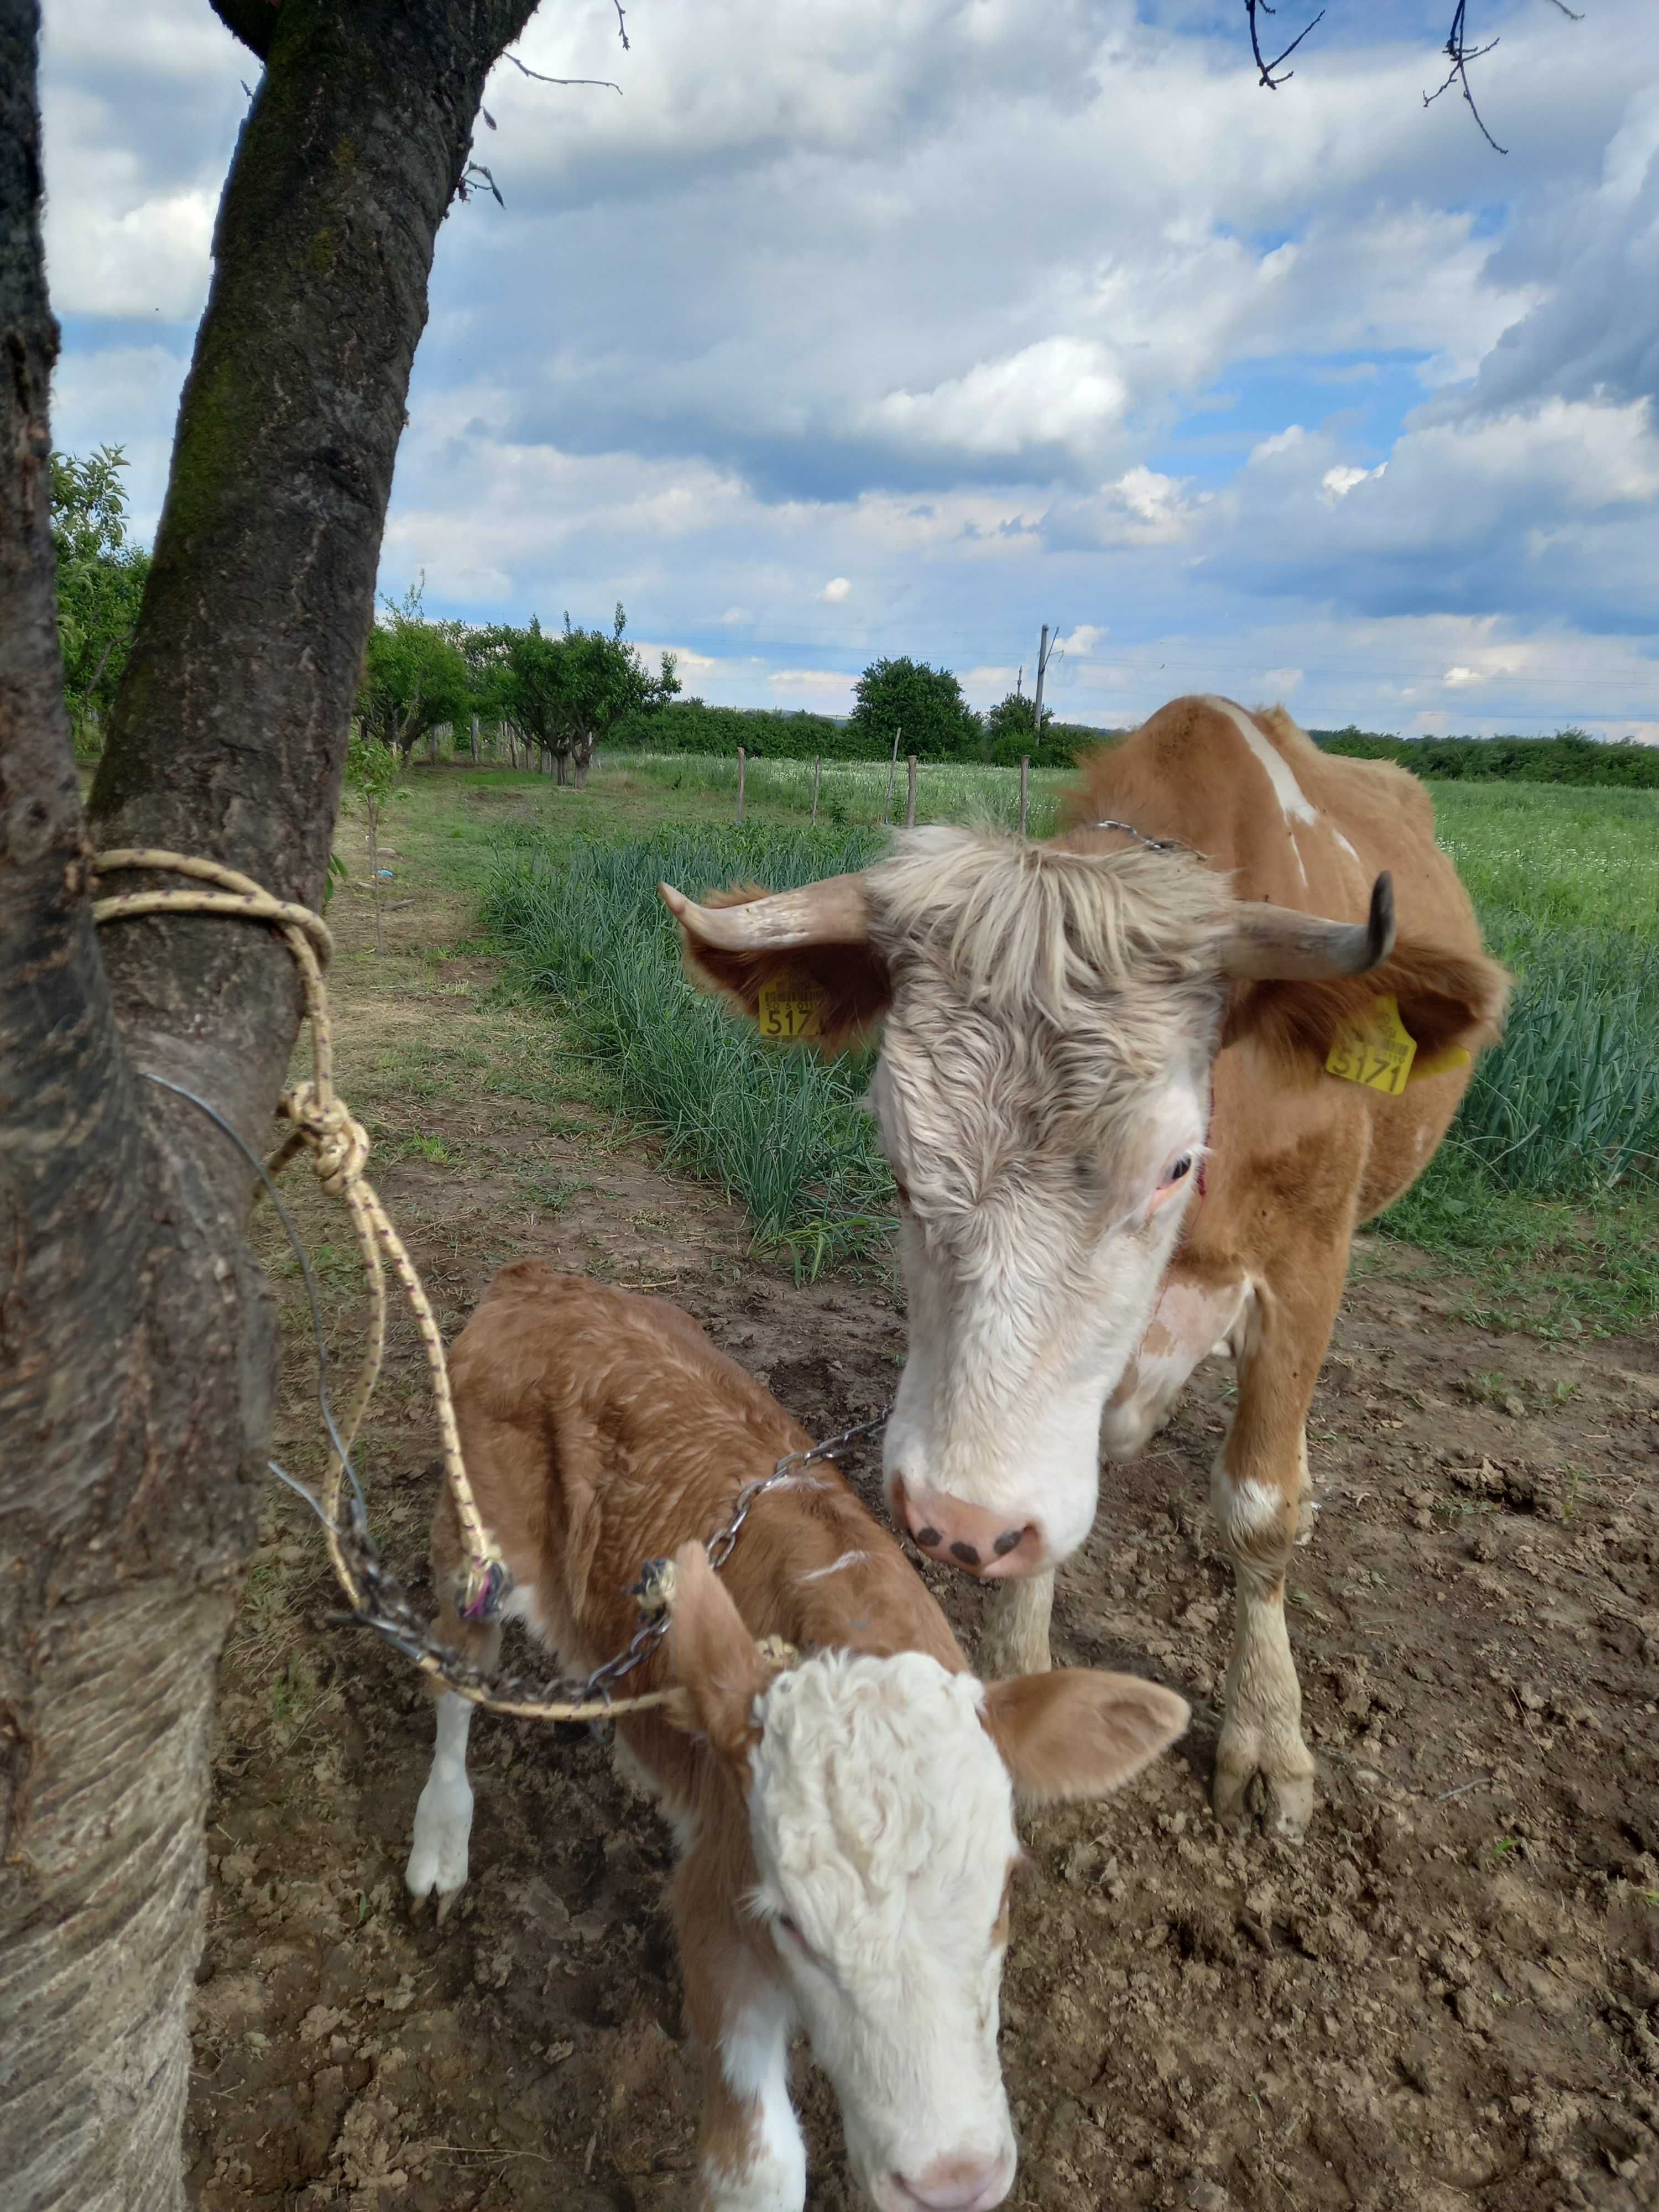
(1375, 1049)
(791, 1005)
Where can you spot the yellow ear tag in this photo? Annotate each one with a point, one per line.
(1439, 1063)
(791, 1003)
(1375, 1049)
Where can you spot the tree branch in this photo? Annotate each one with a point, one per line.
(1460, 55)
(1265, 68)
(252, 21)
(524, 70)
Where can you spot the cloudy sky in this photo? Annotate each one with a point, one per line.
(895, 326)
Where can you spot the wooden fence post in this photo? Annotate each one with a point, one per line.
(472, 738)
(892, 771)
(817, 770)
(910, 800)
(740, 769)
(1024, 787)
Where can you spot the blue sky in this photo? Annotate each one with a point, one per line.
(906, 326)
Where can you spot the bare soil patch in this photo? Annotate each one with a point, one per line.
(1449, 1997)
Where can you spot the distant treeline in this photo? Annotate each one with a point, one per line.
(1570, 757)
(687, 725)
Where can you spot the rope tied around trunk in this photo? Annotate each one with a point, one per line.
(338, 1145)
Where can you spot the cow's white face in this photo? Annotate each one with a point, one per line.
(882, 1819)
(1033, 1241)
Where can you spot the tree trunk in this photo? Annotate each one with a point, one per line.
(136, 1348)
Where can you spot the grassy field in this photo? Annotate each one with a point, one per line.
(855, 793)
(1544, 1199)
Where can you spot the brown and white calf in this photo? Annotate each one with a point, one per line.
(1102, 1091)
(845, 1825)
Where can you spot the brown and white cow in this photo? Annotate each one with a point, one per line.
(845, 1825)
(1103, 1090)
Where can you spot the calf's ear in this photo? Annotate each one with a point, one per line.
(718, 1666)
(1449, 1002)
(799, 965)
(1079, 1733)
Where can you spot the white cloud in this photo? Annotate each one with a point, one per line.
(1060, 392)
(1281, 682)
(835, 590)
(1338, 482)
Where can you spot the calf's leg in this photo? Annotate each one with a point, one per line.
(443, 1816)
(1257, 1488)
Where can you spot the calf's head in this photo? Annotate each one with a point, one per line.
(880, 1793)
(1050, 1021)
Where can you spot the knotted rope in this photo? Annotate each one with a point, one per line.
(339, 1147)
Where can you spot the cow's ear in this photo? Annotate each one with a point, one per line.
(825, 991)
(1448, 1002)
(718, 1669)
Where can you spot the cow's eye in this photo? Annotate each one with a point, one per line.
(1179, 1169)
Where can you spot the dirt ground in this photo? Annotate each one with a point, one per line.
(1449, 1997)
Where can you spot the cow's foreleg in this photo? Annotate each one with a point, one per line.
(1260, 1476)
(1015, 1637)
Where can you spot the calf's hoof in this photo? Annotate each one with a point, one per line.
(1263, 1779)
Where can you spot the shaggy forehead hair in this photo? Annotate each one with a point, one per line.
(877, 1791)
(1058, 981)
(1028, 928)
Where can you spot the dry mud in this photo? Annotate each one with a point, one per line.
(1448, 1997)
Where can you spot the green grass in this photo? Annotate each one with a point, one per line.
(1544, 1195)
(785, 1132)
(855, 792)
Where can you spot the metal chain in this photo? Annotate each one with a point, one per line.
(1157, 844)
(654, 1587)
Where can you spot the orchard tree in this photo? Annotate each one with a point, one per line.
(100, 579)
(565, 692)
(924, 705)
(416, 674)
(137, 1339)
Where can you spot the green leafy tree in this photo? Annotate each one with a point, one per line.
(372, 770)
(100, 581)
(416, 676)
(567, 692)
(1009, 731)
(924, 704)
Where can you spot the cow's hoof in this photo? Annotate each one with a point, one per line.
(1262, 1781)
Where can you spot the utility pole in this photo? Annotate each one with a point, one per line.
(1043, 650)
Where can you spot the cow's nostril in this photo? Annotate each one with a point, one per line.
(927, 1538)
(966, 1553)
(1006, 1541)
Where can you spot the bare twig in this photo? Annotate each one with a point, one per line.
(1460, 56)
(524, 70)
(1255, 9)
(622, 24)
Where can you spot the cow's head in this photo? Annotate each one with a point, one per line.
(1051, 1019)
(880, 1793)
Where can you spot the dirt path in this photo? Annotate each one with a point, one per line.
(1450, 1996)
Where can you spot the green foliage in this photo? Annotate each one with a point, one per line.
(416, 675)
(783, 1131)
(569, 692)
(923, 704)
(100, 581)
(1570, 757)
(372, 771)
(687, 725)
(1011, 734)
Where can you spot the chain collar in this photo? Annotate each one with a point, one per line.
(1157, 844)
(654, 1590)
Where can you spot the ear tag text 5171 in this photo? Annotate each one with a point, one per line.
(1375, 1049)
(791, 1005)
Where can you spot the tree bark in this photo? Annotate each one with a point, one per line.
(137, 1350)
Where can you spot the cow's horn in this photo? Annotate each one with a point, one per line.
(832, 911)
(1273, 944)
